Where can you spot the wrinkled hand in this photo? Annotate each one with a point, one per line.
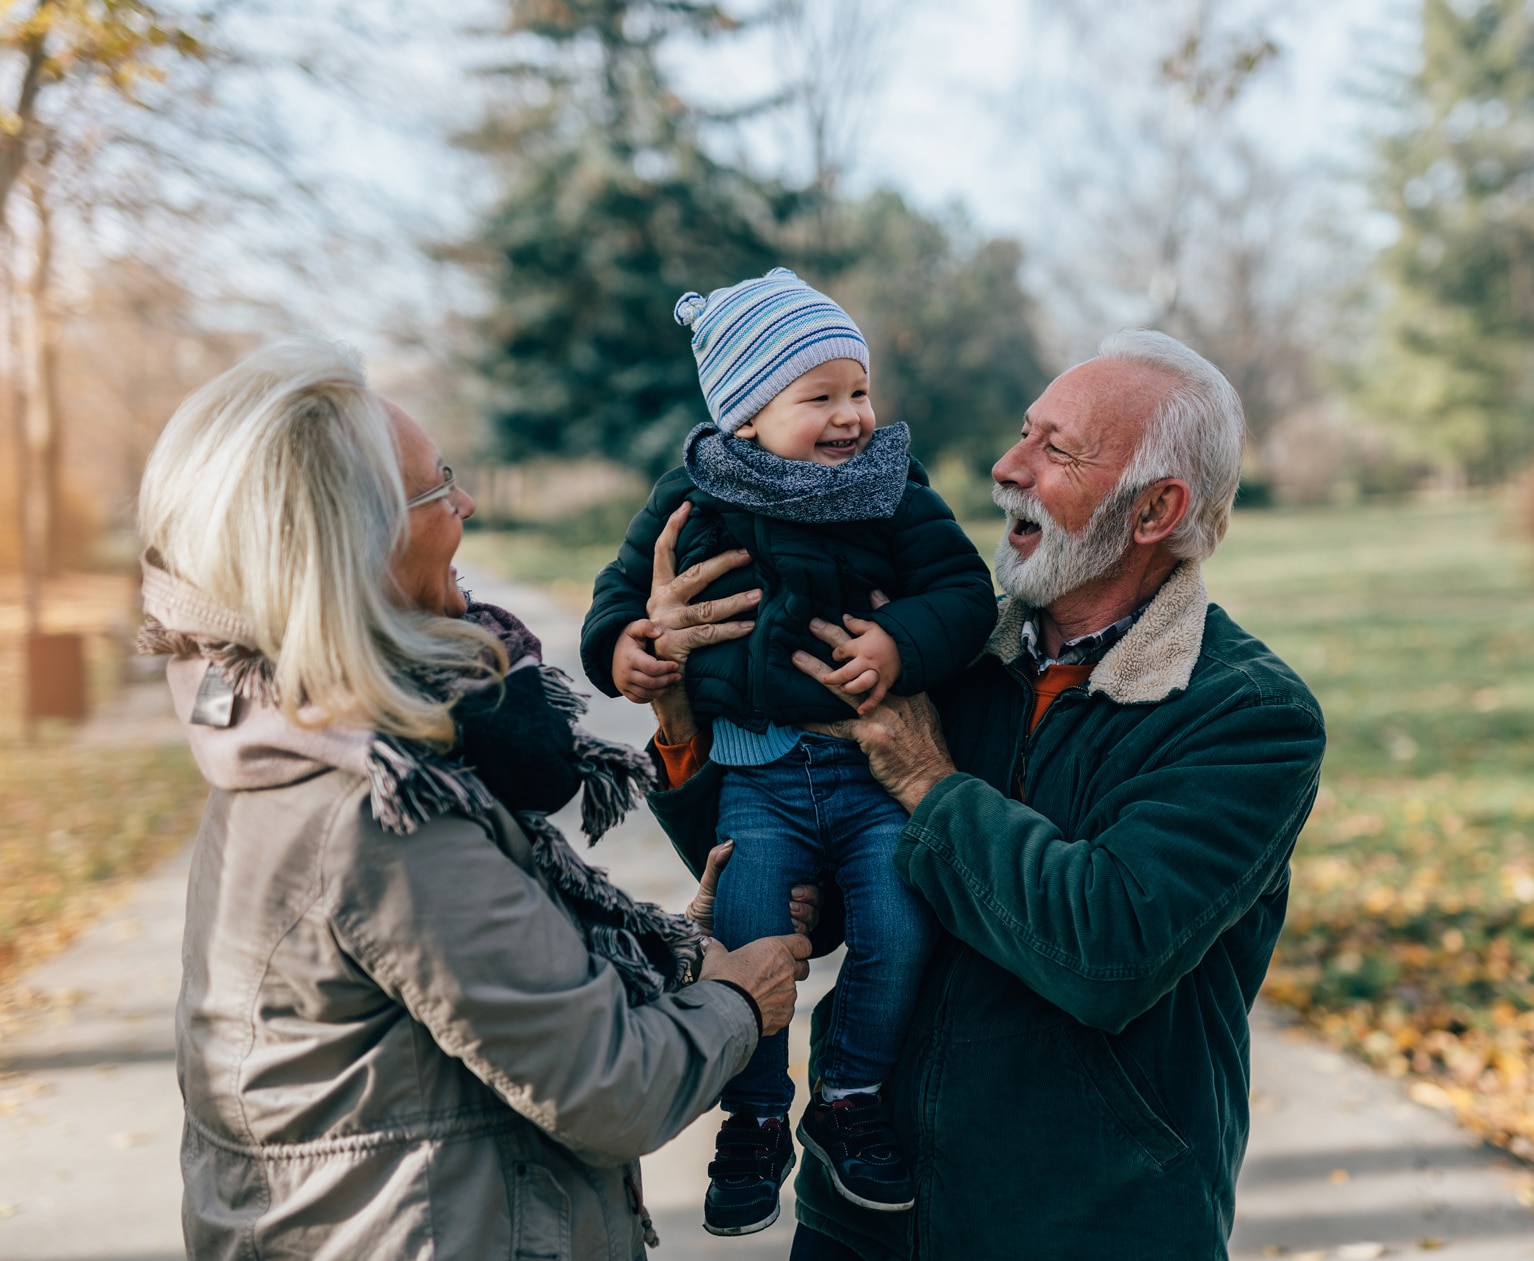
(768, 969)
(803, 899)
(679, 627)
(902, 735)
(873, 662)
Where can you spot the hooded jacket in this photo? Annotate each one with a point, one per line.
(1074, 1082)
(399, 1042)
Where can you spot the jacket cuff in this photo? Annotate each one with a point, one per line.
(682, 761)
(750, 1002)
(921, 821)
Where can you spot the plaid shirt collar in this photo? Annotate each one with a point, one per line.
(1078, 651)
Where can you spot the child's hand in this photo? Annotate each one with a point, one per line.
(638, 674)
(873, 662)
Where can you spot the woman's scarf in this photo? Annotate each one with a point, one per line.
(867, 487)
(519, 744)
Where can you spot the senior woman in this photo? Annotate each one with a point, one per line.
(412, 1022)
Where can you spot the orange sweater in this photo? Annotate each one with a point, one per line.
(1051, 683)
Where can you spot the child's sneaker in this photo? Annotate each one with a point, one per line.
(751, 1161)
(855, 1139)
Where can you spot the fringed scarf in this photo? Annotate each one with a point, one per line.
(519, 744)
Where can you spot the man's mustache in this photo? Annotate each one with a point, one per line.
(1022, 505)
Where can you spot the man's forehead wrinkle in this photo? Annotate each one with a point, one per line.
(1124, 397)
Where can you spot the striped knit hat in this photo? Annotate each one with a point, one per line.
(753, 339)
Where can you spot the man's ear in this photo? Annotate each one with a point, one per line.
(1160, 510)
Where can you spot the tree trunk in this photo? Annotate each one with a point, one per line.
(43, 378)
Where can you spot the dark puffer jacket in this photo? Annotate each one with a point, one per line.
(942, 611)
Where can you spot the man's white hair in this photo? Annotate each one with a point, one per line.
(275, 490)
(1196, 435)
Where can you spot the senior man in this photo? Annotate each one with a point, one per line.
(1103, 808)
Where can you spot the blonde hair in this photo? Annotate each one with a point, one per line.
(275, 490)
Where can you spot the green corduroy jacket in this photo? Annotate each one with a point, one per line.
(1074, 1082)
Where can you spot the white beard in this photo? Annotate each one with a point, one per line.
(1062, 561)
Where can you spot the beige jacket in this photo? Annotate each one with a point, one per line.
(398, 1046)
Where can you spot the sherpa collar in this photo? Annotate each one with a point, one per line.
(1151, 662)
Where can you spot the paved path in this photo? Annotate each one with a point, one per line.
(1341, 1165)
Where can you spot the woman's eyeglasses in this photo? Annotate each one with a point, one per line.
(442, 491)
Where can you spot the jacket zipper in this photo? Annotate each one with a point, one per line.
(1017, 778)
(756, 645)
(1019, 775)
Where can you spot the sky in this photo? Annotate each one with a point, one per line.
(972, 103)
(968, 96)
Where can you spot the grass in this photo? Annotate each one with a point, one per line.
(1410, 938)
(75, 822)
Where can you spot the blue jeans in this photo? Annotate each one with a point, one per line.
(817, 807)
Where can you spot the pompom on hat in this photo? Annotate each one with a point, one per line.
(753, 339)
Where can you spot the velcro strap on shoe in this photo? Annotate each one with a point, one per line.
(759, 1166)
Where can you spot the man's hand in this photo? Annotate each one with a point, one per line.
(768, 969)
(902, 735)
(803, 899)
(873, 663)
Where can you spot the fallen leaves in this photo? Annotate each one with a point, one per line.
(74, 823)
(1410, 942)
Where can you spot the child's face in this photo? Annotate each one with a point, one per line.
(825, 416)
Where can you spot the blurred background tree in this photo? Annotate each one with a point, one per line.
(57, 47)
(613, 204)
(611, 210)
(1452, 364)
(950, 329)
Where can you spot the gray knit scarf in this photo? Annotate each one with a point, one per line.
(652, 950)
(867, 487)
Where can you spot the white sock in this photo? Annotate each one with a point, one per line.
(771, 1116)
(832, 1093)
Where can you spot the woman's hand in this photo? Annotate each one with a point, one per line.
(769, 969)
(679, 627)
(676, 627)
(803, 899)
(902, 735)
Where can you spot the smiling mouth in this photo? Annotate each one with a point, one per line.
(839, 446)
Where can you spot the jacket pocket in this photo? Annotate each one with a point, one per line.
(1111, 1084)
(540, 1215)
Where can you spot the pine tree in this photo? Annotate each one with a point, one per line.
(612, 209)
(1458, 177)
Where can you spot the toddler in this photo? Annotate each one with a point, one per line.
(830, 509)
